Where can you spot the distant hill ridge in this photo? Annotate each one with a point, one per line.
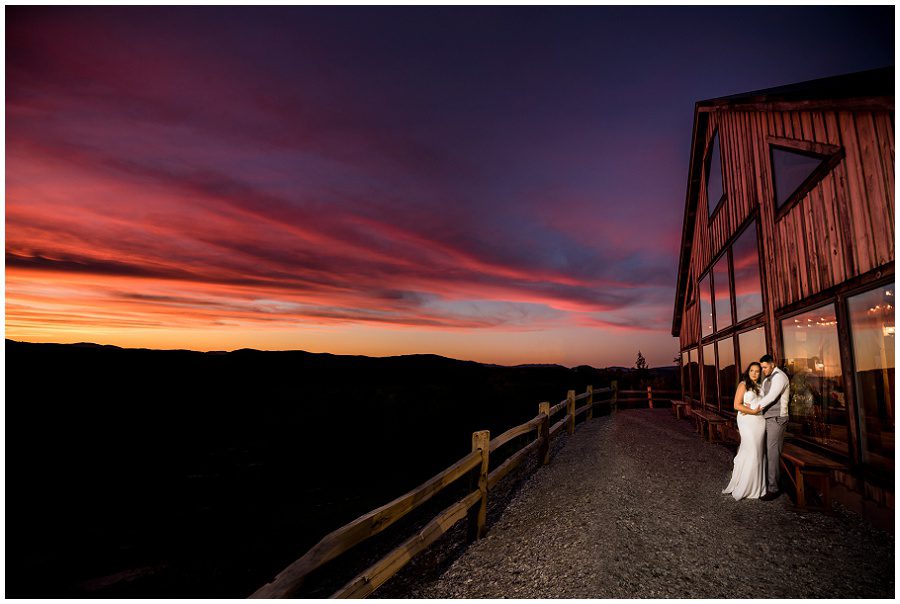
(322, 355)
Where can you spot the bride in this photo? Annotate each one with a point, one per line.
(749, 476)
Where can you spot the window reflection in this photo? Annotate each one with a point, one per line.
(812, 360)
(751, 346)
(694, 373)
(723, 294)
(747, 290)
(727, 373)
(710, 396)
(872, 330)
(706, 316)
(714, 189)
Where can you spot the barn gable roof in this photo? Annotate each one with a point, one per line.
(871, 89)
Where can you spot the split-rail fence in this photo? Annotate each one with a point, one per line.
(473, 506)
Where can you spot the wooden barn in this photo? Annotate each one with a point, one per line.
(787, 247)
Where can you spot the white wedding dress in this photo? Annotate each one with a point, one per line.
(749, 476)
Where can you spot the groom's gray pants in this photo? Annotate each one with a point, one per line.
(774, 441)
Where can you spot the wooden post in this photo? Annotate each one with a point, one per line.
(650, 396)
(544, 432)
(613, 400)
(570, 410)
(478, 513)
(590, 403)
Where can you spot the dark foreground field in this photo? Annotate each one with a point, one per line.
(177, 473)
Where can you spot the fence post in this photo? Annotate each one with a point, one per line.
(613, 401)
(544, 432)
(570, 410)
(478, 513)
(650, 396)
(590, 403)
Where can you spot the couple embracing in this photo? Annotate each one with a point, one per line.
(762, 407)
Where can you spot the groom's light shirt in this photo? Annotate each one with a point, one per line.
(776, 389)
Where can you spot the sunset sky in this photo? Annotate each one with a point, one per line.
(505, 185)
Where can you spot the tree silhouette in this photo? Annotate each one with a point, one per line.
(642, 374)
(641, 362)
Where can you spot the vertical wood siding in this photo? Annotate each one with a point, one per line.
(842, 228)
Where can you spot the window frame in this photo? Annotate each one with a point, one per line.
(712, 305)
(727, 407)
(753, 320)
(849, 395)
(707, 160)
(871, 471)
(830, 154)
(714, 406)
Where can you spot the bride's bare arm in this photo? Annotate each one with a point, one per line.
(739, 397)
(739, 401)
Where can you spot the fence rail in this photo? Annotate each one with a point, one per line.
(472, 506)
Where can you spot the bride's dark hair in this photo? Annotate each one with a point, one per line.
(749, 384)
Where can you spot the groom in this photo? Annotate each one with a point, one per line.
(774, 405)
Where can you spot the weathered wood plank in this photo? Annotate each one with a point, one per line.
(801, 259)
(481, 443)
(554, 430)
(499, 441)
(377, 574)
(876, 196)
(842, 192)
(570, 411)
(787, 124)
(837, 269)
(831, 261)
(864, 247)
(544, 432)
(806, 126)
(796, 126)
(557, 408)
(288, 581)
(813, 224)
(884, 129)
(813, 234)
(513, 462)
(790, 251)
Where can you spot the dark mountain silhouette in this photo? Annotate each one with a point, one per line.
(137, 472)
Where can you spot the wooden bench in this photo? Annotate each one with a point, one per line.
(679, 408)
(706, 422)
(812, 467)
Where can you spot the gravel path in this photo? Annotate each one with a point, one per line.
(631, 506)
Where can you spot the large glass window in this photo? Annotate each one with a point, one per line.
(872, 330)
(812, 360)
(715, 288)
(723, 293)
(711, 395)
(714, 188)
(747, 290)
(706, 316)
(694, 373)
(727, 373)
(751, 346)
